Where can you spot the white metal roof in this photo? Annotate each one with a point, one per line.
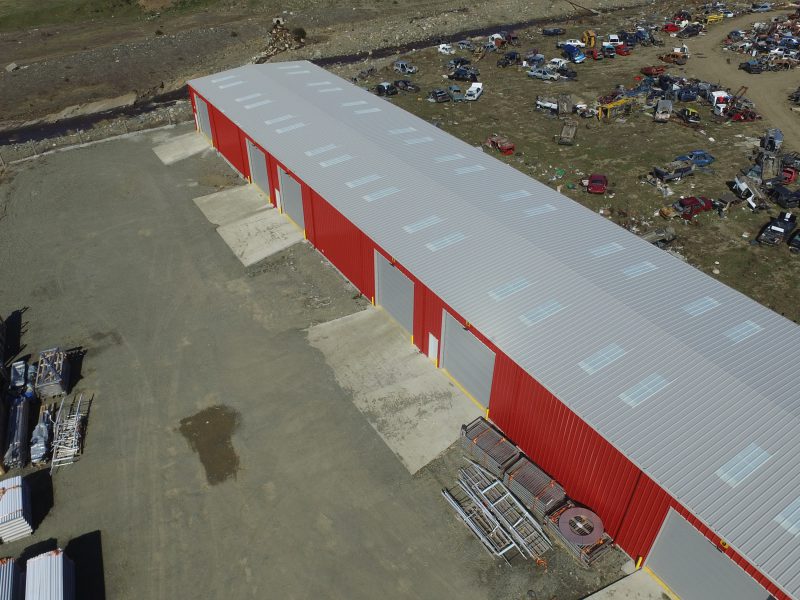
(687, 377)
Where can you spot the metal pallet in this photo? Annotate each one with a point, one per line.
(488, 447)
(68, 431)
(536, 490)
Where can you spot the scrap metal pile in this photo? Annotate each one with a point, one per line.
(769, 46)
(36, 387)
(512, 506)
(280, 40)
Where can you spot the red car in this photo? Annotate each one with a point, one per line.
(623, 51)
(595, 53)
(671, 28)
(598, 184)
(653, 71)
(687, 208)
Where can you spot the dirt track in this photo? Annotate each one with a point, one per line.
(767, 90)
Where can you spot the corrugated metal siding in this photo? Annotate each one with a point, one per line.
(591, 470)
(682, 333)
(344, 245)
(308, 211)
(227, 140)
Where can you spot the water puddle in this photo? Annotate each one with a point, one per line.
(209, 434)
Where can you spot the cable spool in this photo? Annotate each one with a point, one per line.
(580, 526)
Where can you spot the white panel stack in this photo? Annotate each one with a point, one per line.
(10, 579)
(50, 576)
(15, 510)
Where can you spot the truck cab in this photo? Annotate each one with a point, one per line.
(778, 230)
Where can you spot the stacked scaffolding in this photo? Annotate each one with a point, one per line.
(488, 447)
(10, 579)
(52, 374)
(536, 490)
(50, 576)
(495, 516)
(16, 455)
(15, 510)
(580, 531)
(68, 432)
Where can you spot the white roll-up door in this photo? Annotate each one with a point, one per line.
(692, 567)
(468, 360)
(203, 120)
(394, 292)
(291, 198)
(258, 167)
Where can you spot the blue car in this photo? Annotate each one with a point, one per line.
(699, 158)
(574, 54)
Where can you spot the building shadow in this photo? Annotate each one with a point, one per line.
(75, 358)
(37, 549)
(15, 329)
(87, 553)
(40, 486)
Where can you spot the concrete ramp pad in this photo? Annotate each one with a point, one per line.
(182, 146)
(232, 204)
(416, 410)
(259, 235)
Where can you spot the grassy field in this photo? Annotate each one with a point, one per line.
(624, 150)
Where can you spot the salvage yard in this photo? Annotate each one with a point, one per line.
(625, 149)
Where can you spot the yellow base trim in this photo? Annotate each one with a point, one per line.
(466, 393)
(665, 587)
(412, 339)
(639, 562)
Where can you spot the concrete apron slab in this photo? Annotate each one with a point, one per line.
(260, 235)
(640, 585)
(232, 204)
(180, 147)
(415, 409)
(249, 225)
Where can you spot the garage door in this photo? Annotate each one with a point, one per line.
(291, 198)
(258, 167)
(694, 569)
(467, 359)
(203, 120)
(394, 292)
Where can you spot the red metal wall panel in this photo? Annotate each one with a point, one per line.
(592, 471)
(272, 173)
(226, 139)
(344, 245)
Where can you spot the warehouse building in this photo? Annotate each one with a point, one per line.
(658, 397)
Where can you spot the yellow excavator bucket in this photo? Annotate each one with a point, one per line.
(589, 38)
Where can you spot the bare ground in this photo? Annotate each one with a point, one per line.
(77, 63)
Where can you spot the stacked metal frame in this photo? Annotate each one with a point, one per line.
(537, 491)
(52, 374)
(488, 447)
(497, 541)
(16, 521)
(587, 554)
(10, 579)
(16, 455)
(492, 494)
(50, 576)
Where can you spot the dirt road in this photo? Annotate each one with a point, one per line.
(767, 90)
